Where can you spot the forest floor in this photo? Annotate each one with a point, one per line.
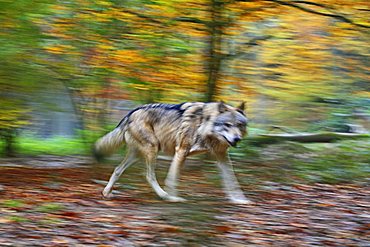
(56, 201)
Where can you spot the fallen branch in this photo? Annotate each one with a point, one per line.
(285, 129)
(312, 137)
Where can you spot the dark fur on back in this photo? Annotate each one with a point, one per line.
(175, 107)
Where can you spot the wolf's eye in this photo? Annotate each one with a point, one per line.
(228, 125)
(241, 125)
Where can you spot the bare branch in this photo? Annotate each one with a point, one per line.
(298, 5)
(312, 3)
(253, 42)
(146, 17)
(164, 21)
(190, 19)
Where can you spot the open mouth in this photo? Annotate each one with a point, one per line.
(230, 143)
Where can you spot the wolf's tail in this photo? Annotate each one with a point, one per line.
(109, 143)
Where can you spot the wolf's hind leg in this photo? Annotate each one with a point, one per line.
(131, 158)
(149, 147)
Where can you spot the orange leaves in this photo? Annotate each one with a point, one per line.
(160, 45)
(195, 30)
(129, 57)
(254, 11)
(161, 10)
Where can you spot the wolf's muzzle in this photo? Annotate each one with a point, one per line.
(235, 141)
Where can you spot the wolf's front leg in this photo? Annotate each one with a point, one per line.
(230, 183)
(174, 171)
(152, 180)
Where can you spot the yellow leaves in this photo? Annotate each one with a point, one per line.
(58, 8)
(123, 15)
(163, 11)
(363, 22)
(344, 25)
(58, 49)
(8, 23)
(83, 16)
(105, 46)
(104, 3)
(102, 17)
(167, 54)
(249, 5)
(129, 57)
(12, 117)
(141, 87)
(195, 30)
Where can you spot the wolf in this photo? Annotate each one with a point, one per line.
(180, 130)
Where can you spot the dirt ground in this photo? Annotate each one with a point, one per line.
(56, 201)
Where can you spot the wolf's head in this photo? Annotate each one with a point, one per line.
(230, 125)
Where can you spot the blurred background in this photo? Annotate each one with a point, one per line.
(70, 70)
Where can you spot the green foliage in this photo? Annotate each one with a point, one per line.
(346, 161)
(20, 74)
(49, 207)
(17, 218)
(286, 61)
(342, 161)
(340, 113)
(13, 203)
(54, 146)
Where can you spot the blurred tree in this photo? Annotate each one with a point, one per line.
(116, 49)
(315, 53)
(266, 51)
(233, 31)
(283, 55)
(20, 74)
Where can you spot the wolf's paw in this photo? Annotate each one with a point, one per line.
(175, 199)
(106, 194)
(241, 200)
(171, 192)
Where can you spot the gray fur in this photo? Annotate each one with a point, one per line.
(180, 130)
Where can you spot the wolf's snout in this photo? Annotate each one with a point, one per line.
(235, 141)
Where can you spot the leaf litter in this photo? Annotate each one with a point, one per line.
(62, 206)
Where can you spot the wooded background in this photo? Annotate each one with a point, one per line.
(74, 67)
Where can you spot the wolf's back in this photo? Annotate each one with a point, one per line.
(109, 143)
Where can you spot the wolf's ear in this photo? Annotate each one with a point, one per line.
(222, 107)
(242, 106)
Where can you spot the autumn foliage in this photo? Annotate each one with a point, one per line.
(280, 56)
(301, 65)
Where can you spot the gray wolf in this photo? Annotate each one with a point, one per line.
(180, 130)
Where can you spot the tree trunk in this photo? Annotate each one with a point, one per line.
(213, 51)
(76, 108)
(9, 150)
